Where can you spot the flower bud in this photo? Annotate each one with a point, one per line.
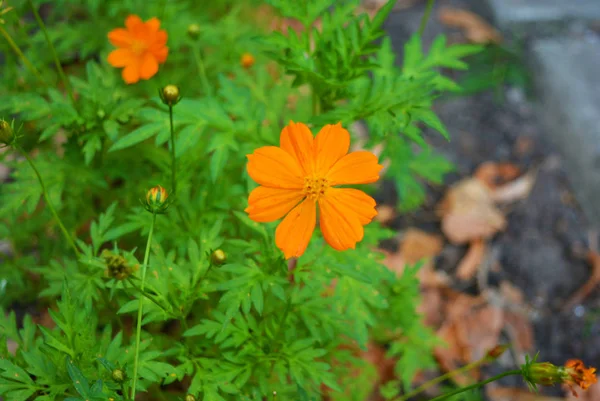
(116, 265)
(170, 95)
(118, 375)
(6, 133)
(190, 397)
(495, 352)
(193, 31)
(247, 60)
(156, 200)
(218, 257)
(572, 373)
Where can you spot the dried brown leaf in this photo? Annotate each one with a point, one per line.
(471, 261)
(475, 28)
(515, 190)
(468, 212)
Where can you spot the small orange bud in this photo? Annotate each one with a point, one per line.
(495, 352)
(247, 60)
(156, 200)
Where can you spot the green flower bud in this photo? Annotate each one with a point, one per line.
(118, 375)
(156, 200)
(190, 397)
(193, 31)
(218, 257)
(6, 133)
(116, 265)
(170, 95)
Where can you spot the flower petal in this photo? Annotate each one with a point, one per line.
(355, 168)
(273, 167)
(131, 73)
(361, 204)
(120, 37)
(297, 140)
(270, 204)
(160, 53)
(331, 143)
(295, 231)
(340, 225)
(153, 24)
(149, 66)
(134, 23)
(121, 57)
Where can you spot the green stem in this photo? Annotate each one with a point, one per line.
(138, 331)
(315, 103)
(201, 69)
(440, 379)
(425, 18)
(49, 203)
(20, 54)
(476, 385)
(61, 73)
(149, 296)
(173, 159)
(174, 167)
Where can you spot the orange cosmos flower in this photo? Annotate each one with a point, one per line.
(301, 173)
(141, 48)
(578, 374)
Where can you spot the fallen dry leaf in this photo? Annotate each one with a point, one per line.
(468, 212)
(417, 244)
(585, 290)
(472, 327)
(516, 394)
(493, 174)
(515, 190)
(475, 28)
(385, 214)
(471, 261)
(520, 331)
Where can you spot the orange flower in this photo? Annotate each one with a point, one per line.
(579, 375)
(141, 48)
(301, 173)
(247, 60)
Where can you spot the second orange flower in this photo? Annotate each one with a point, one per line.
(303, 172)
(142, 46)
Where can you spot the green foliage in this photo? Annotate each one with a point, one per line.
(257, 324)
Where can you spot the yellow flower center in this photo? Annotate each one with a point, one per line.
(138, 47)
(315, 187)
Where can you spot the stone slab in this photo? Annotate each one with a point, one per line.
(532, 15)
(566, 74)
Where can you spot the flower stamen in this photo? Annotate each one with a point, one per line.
(315, 187)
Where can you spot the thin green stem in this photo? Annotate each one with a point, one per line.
(476, 385)
(201, 70)
(174, 166)
(61, 73)
(426, 16)
(316, 106)
(440, 379)
(138, 331)
(173, 159)
(22, 56)
(149, 296)
(68, 236)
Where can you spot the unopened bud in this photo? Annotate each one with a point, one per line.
(156, 200)
(495, 352)
(117, 266)
(170, 95)
(247, 60)
(6, 133)
(190, 397)
(218, 257)
(193, 31)
(118, 375)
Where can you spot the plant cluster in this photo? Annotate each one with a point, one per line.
(186, 296)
